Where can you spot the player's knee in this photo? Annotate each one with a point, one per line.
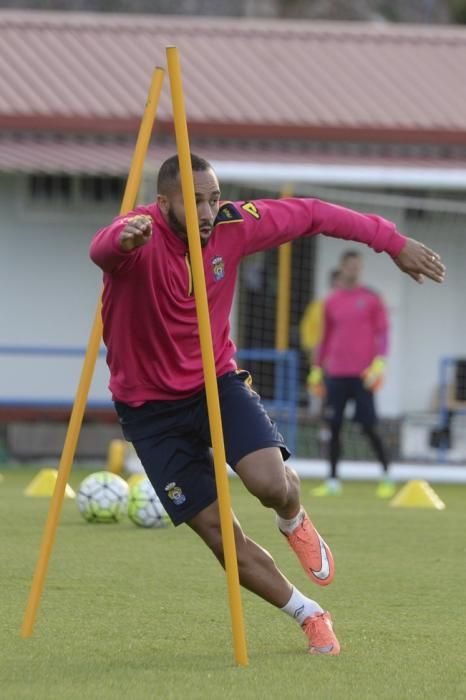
(212, 536)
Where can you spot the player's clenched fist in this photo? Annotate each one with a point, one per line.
(136, 233)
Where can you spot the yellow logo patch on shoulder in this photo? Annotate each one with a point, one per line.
(228, 214)
(251, 208)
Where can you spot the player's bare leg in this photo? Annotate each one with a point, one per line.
(257, 569)
(260, 575)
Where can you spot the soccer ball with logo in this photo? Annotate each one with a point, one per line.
(103, 498)
(144, 506)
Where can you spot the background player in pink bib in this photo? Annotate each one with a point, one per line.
(350, 362)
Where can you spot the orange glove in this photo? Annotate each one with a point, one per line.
(373, 376)
(315, 382)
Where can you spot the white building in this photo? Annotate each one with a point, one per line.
(370, 116)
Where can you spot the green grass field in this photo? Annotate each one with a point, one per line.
(131, 613)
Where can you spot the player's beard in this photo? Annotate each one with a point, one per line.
(176, 225)
(180, 230)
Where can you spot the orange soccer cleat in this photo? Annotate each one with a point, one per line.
(313, 553)
(319, 630)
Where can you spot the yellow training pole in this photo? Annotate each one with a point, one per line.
(74, 426)
(283, 290)
(213, 404)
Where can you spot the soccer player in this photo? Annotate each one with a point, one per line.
(156, 375)
(352, 358)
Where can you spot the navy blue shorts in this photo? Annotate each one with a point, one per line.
(340, 390)
(172, 440)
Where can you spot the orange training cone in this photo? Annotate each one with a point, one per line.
(417, 494)
(43, 484)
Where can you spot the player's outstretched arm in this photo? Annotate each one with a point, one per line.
(418, 262)
(136, 233)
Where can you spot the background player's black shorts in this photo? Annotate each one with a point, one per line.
(172, 440)
(340, 390)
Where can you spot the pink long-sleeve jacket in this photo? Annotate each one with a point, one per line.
(148, 309)
(355, 332)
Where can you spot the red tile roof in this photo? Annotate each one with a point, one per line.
(297, 79)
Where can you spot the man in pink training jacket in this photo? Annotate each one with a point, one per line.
(352, 355)
(151, 334)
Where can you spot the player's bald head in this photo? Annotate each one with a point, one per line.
(169, 173)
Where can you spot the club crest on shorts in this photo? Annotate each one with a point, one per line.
(175, 493)
(218, 267)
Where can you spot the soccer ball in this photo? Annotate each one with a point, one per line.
(103, 498)
(144, 506)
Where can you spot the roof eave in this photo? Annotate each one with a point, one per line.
(111, 126)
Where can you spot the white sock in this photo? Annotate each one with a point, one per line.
(287, 526)
(299, 607)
